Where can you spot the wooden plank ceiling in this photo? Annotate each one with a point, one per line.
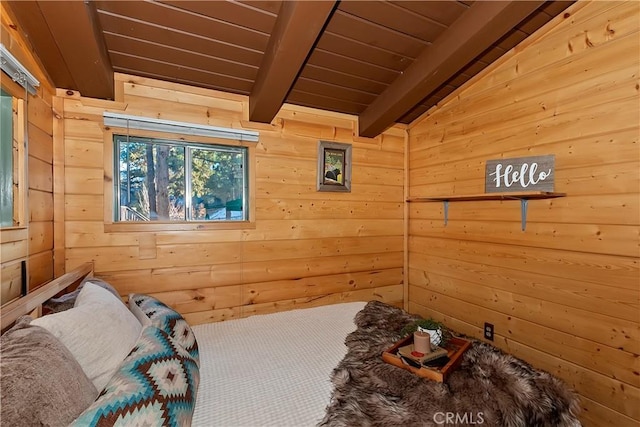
(385, 61)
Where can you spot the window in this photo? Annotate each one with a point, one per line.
(6, 160)
(17, 83)
(172, 181)
(12, 161)
(13, 134)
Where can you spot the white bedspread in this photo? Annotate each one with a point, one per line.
(271, 370)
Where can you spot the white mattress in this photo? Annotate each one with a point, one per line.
(271, 370)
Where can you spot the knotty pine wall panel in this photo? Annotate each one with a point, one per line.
(307, 248)
(563, 294)
(36, 239)
(14, 245)
(41, 180)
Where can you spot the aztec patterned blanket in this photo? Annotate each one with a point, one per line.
(490, 387)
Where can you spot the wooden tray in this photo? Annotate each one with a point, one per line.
(455, 346)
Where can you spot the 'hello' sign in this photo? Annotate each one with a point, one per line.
(534, 173)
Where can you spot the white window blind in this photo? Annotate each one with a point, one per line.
(145, 123)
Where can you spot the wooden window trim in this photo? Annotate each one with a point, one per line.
(20, 217)
(14, 241)
(158, 226)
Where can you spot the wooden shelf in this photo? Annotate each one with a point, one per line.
(489, 196)
(523, 196)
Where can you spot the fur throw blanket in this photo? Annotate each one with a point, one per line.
(490, 387)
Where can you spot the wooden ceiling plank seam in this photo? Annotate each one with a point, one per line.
(174, 18)
(475, 31)
(33, 25)
(109, 19)
(360, 30)
(448, 11)
(459, 79)
(190, 77)
(554, 8)
(355, 76)
(512, 38)
(81, 46)
(182, 67)
(411, 12)
(317, 101)
(400, 58)
(414, 114)
(337, 77)
(296, 31)
(338, 86)
(231, 12)
(271, 7)
(473, 67)
(133, 41)
(382, 27)
(164, 77)
(367, 63)
(397, 19)
(491, 54)
(350, 66)
(208, 18)
(330, 98)
(534, 21)
(333, 91)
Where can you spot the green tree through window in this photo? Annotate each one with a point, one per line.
(163, 180)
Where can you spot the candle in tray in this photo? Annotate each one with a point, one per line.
(422, 342)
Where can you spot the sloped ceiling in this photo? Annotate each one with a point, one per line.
(384, 61)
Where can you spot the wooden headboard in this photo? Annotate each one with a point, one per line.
(32, 302)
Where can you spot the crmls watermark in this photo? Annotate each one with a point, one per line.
(465, 418)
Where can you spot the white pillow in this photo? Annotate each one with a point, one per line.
(99, 331)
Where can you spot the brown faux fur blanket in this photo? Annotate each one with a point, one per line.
(490, 387)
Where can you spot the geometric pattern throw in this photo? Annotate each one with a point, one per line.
(156, 385)
(164, 317)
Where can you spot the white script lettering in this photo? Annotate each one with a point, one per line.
(527, 175)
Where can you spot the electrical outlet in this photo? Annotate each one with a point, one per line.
(488, 331)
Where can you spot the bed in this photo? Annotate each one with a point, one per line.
(307, 367)
(271, 370)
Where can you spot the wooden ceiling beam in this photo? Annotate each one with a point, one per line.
(475, 31)
(75, 28)
(296, 30)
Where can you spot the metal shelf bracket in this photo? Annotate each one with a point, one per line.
(445, 204)
(524, 204)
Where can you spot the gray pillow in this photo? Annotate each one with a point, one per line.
(41, 383)
(66, 301)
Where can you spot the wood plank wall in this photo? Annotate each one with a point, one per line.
(564, 294)
(35, 242)
(307, 248)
